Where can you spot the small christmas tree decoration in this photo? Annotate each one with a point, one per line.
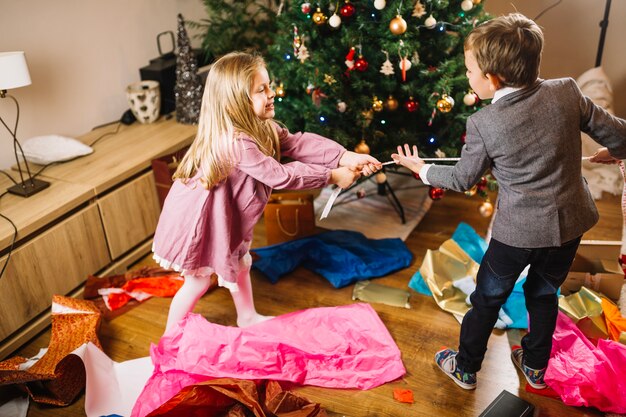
(419, 10)
(319, 18)
(411, 105)
(391, 104)
(280, 91)
(360, 64)
(445, 103)
(334, 21)
(306, 8)
(486, 209)
(341, 106)
(430, 22)
(303, 53)
(350, 58)
(436, 193)
(377, 104)
(397, 26)
(188, 89)
(347, 9)
(467, 5)
(379, 4)
(387, 67)
(470, 98)
(362, 147)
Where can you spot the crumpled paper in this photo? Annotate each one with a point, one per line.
(585, 309)
(615, 322)
(583, 374)
(58, 377)
(335, 347)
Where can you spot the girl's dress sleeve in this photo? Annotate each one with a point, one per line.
(310, 148)
(294, 175)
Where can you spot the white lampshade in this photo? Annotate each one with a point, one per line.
(13, 70)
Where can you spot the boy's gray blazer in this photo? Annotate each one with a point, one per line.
(531, 141)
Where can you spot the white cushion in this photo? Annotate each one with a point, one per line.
(47, 149)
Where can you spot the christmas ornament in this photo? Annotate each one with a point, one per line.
(419, 10)
(309, 88)
(404, 65)
(436, 193)
(391, 104)
(381, 178)
(360, 193)
(306, 8)
(482, 184)
(297, 40)
(467, 5)
(387, 67)
(319, 18)
(280, 91)
(362, 147)
(377, 104)
(470, 98)
(341, 106)
(397, 26)
(430, 22)
(445, 103)
(317, 95)
(303, 53)
(476, 2)
(188, 89)
(379, 4)
(347, 9)
(334, 21)
(416, 175)
(329, 79)
(411, 105)
(350, 58)
(471, 192)
(415, 59)
(360, 64)
(463, 138)
(486, 209)
(368, 116)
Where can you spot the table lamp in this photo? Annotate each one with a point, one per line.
(14, 74)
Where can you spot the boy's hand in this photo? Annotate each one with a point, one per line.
(602, 156)
(408, 159)
(344, 176)
(367, 164)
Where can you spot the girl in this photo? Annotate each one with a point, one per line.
(224, 181)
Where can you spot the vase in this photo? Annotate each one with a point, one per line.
(144, 98)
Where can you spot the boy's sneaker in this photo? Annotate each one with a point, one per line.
(446, 360)
(533, 376)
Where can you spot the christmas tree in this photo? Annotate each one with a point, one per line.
(375, 74)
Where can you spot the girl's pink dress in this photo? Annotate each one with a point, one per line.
(210, 230)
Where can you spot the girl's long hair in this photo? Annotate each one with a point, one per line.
(226, 112)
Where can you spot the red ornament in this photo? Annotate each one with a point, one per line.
(463, 138)
(411, 105)
(360, 64)
(482, 183)
(416, 175)
(347, 9)
(306, 8)
(436, 193)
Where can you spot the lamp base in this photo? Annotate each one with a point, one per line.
(28, 187)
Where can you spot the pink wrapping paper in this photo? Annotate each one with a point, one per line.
(586, 375)
(334, 347)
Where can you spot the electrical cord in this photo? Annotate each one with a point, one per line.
(6, 263)
(9, 177)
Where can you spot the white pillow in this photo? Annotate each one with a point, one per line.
(44, 150)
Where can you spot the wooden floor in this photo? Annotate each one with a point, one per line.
(419, 332)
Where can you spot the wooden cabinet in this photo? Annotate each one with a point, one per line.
(98, 216)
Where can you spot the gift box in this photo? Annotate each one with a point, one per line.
(596, 267)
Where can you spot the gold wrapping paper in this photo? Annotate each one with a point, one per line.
(370, 292)
(441, 268)
(585, 309)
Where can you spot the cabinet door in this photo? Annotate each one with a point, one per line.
(130, 214)
(55, 262)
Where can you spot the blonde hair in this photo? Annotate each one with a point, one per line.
(226, 112)
(508, 47)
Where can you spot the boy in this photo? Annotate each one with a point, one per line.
(529, 136)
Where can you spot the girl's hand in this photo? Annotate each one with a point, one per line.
(408, 159)
(367, 164)
(344, 177)
(602, 156)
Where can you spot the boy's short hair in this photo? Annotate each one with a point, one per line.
(508, 47)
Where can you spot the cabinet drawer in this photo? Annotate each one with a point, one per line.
(130, 214)
(55, 262)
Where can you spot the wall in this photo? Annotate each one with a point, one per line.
(83, 53)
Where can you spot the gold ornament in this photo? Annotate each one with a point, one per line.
(319, 18)
(476, 2)
(377, 104)
(381, 178)
(445, 103)
(397, 26)
(486, 209)
(362, 147)
(329, 79)
(368, 116)
(280, 91)
(471, 192)
(391, 104)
